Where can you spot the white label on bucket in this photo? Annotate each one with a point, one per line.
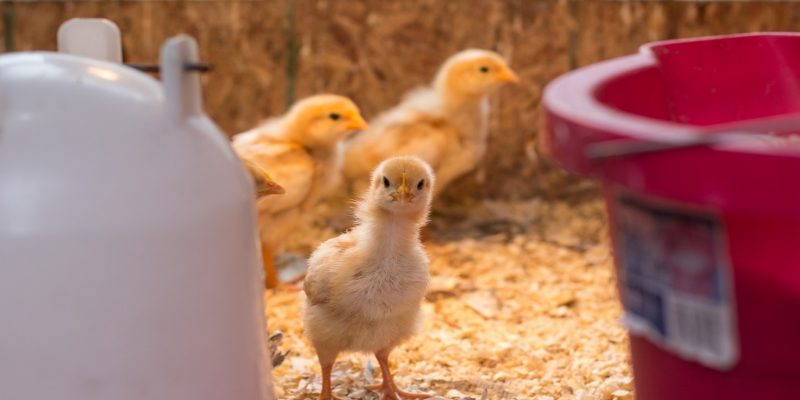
(675, 280)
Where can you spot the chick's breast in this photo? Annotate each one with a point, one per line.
(360, 303)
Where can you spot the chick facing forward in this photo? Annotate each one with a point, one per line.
(364, 288)
(445, 124)
(303, 151)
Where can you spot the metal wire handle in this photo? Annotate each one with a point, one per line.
(188, 67)
(623, 148)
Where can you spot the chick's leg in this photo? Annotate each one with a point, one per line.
(388, 387)
(271, 273)
(327, 366)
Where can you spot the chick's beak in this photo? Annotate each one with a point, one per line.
(507, 75)
(264, 183)
(267, 186)
(357, 123)
(403, 192)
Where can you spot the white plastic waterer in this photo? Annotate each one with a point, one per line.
(96, 38)
(129, 268)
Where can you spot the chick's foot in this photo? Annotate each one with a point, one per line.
(388, 387)
(391, 392)
(327, 393)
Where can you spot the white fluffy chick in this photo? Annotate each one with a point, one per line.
(364, 288)
(303, 151)
(445, 124)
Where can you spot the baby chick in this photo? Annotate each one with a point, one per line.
(445, 124)
(303, 151)
(364, 288)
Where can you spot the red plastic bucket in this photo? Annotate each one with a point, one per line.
(689, 138)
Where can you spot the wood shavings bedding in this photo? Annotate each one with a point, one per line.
(522, 305)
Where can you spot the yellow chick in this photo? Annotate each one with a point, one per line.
(303, 151)
(364, 288)
(445, 124)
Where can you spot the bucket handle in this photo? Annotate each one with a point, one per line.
(624, 148)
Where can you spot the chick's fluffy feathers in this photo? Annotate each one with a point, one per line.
(444, 124)
(303, 151)
(364, 287)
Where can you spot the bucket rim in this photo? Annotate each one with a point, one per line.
(572, 98)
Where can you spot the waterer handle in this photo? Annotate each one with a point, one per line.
(181, 87)
(96, 38)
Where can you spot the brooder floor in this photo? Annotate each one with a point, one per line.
(522, 305)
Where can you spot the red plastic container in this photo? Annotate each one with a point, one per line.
(706, 237)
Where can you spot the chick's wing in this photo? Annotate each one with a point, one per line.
(325, 267)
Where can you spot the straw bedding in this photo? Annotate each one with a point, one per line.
(522, 305)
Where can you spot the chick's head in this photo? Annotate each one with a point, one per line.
(474, 73)
(402, 185)
(324, 119)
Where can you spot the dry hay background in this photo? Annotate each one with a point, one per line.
(269, 52)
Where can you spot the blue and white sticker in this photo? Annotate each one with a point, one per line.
(676, 283)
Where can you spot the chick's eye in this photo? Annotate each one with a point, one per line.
(421, 184)
(386, 182)
(484, 69)
(334, 116)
